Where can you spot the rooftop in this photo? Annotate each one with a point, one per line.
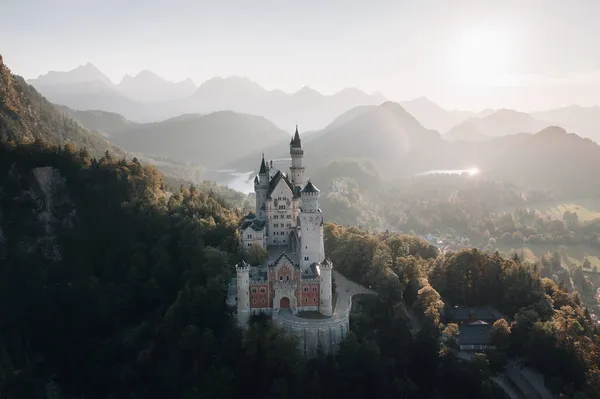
(474, 334)
(465, 313)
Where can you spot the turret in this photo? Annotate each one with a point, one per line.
(297, 155)
(310, 198)
(325, 305)
(263, 173)
(261, 186)
(311, 227)
(243, 293)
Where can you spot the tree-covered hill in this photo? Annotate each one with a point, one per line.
(210, 139)
(25, 115)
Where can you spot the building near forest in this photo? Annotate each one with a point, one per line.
(288, 224)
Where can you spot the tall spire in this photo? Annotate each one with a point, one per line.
(263, 166)
(296, 143)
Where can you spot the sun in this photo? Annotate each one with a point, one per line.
(481, 57)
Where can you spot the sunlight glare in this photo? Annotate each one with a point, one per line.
(473, 171)
(482, 57)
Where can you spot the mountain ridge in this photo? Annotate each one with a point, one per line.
(234, 93)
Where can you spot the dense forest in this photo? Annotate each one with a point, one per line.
(112, 287)
(544, 325)
(113, 281)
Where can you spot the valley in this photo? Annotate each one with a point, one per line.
(123, 203)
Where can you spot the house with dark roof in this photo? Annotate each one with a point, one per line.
(474, 325)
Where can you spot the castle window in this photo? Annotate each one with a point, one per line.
(314, 289)
(274, 233)
(287, 278)
(254, 290)
(305, 289)
(249, 244)
(280, 278)
(281, 206)
(305, 299)
(249, 235)
(262, 290)
(262, 301)
(314, 299)
(288, 216)
(275, 216)
(306, 258)
(254, 301)
(275, 225)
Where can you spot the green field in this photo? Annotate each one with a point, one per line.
(586, 209)
(573, 254)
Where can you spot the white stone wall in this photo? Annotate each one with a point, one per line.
(281, 209)
(325, 306)
(250, 237)
(243, 294)
(311, 238)
(316, 335)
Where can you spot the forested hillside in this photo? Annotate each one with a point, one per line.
(111, 288)
(543, 324)
(27, 116)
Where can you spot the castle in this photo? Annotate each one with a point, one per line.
(288, 224)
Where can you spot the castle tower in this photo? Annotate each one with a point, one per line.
(243, 293)
(311, 227)
(261, 186)
(325, 305)
(297, 154)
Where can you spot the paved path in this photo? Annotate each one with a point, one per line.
(345, 290)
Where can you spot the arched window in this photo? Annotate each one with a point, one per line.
(280, 278)
(287, 278)
(305, 299)
(314, 299)
(254, 290)
(305, 289)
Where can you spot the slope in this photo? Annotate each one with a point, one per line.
(27, 116)
(431, 115)
(207, 139)
(106, 123)
(383, 134)
(574, 118)
(499, 123)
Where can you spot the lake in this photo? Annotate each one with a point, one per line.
(244, 181)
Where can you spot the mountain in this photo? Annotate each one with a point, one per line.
(550, 159)
(432, 116)
(82, 74)
(105, 123)
(149, 98)
(383, 134)
(209, 140)
(27, 116)
(584, 120)
(148, 87)
(499, 123)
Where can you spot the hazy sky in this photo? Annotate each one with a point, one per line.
(526, 54)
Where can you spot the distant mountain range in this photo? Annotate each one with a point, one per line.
(387, 135)
(499, 123)
(433, 116)
(149, 98)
